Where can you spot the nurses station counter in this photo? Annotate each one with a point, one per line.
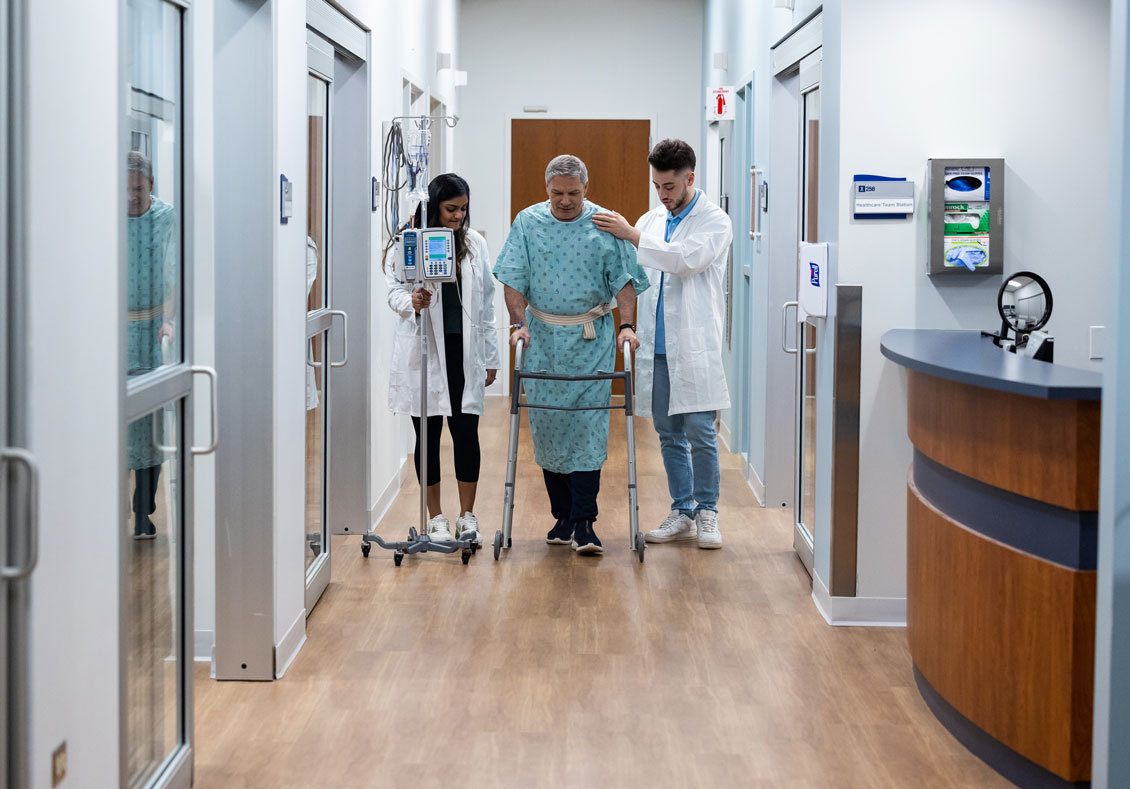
(1001, 511)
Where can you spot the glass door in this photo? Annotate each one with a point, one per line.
(806, 457)
(319, 317)
(157, 582)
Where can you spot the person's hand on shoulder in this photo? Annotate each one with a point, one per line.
(616, 225)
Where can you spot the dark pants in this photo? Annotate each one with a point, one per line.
(464, 427)
(572, 497)
(145, 490)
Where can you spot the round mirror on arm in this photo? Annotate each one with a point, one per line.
(1025, 302)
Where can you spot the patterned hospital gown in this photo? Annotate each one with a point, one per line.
(567, 268)
(150, 277)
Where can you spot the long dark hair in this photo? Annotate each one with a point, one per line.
(447, 187)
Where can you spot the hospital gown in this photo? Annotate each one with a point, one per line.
(149, 281)
(567, 268)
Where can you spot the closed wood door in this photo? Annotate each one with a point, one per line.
(615, 152)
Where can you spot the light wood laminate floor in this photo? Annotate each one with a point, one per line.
(697, 668)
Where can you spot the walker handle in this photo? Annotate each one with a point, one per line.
(518, 348)
(627, 356)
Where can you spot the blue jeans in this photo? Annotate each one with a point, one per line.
(689, 446)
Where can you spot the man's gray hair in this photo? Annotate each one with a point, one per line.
(567, 166)
(137, 163)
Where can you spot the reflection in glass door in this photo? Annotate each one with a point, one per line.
(157, 582)
(806, 458)
(319, 318)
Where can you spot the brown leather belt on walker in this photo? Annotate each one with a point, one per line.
(587, 319)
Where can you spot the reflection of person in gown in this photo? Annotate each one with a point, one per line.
(151, 279)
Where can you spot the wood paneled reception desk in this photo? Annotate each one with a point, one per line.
(1002, 521)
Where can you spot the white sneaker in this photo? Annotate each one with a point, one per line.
(708, 534)
(439, 529)
(467, 528)
(677, 527)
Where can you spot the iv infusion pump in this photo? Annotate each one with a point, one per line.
(426, 255)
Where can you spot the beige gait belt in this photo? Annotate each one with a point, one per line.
(587, 319)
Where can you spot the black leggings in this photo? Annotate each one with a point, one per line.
(464, 427)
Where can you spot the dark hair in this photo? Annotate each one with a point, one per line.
(672, 154)
(446, 187)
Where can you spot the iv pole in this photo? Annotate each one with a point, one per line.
(420, 542)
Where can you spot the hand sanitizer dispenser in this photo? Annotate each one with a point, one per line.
(812, 280)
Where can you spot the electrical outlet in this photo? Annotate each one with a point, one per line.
(1097, 337)
(59, 764)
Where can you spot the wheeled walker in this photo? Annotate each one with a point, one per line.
(502, 538)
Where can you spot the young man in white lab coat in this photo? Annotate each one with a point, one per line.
(679, 380)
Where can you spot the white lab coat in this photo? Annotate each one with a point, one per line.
(480, 340)
(694, 307)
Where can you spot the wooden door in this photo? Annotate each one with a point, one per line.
(615, 153)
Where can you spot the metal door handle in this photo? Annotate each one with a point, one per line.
(310, 354)
(159, 414)
(754, 205)
(208, 371)
(785, 324)
(344, 338)
(27, 460)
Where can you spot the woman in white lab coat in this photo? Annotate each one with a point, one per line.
(463, 356)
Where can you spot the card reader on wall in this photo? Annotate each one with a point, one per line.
(427, 255)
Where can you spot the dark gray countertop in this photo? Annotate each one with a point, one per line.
(969, 358)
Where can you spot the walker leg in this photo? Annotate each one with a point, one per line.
(511, 472)
(633, 499)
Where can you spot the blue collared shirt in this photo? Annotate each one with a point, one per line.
(673, 221)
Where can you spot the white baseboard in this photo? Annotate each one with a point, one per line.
(724, 434)
(203, 643)
(287, 649)
(858, 611)
(388, 496)
(755, 484)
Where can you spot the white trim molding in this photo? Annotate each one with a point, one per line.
(858, 611)
(290, 645)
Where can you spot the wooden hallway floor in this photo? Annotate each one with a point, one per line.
(546, 669)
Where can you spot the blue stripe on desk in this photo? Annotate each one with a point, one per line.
(1052, 533)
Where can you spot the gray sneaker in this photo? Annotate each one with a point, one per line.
(675, 528)
(708, 534)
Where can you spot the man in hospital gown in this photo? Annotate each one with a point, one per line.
(151, 277)
(565, 268)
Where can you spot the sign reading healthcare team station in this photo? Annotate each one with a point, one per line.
(720, 103)
(876, 197)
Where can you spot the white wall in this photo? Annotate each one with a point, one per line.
(638, 59)
(403, 45)
(1043, 67)
(888, 105)
(75, 383)
(394, 54)
(744, 33)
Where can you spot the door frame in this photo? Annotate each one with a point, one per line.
(174, 384)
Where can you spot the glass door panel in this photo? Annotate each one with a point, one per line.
(154, 659)
(316, 457)
(318, 318)
(153, 183)
(157, 628)
(806, 457)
